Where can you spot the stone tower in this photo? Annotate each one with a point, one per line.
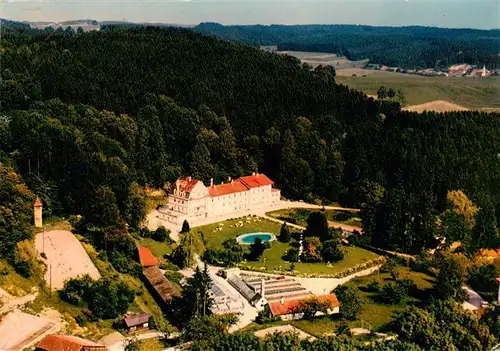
(37, 209)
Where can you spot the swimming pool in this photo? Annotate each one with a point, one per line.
(247, 239)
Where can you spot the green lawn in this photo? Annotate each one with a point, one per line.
(470, 92)
(299, 216)
(271, 260)
(159, 249)
(378, 314)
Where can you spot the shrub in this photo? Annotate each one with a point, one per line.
(350, 305)
(285, 235)
(391, 266)
(174, 277)
(25, 259)
(103, 256)
(124, 264)
(110, 298)
(292, 255)
(161, 235)
(145, 233)
(185, 227)
(169, 266)
(396, 291)
(77, 290)
(374, 286)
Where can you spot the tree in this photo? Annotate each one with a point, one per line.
(77, 290)
(485, 233)
(285, 235)
(312, 250)
(452, 275)
(391, 93)
(256, 249)
(395, 292)
(185, 227)
(350, 305)
(135, 206)
(161, 234)
(317, 225)
(401, 96)
(104, 211)
(332, 251)
(381, 93)
(310, 307)
(110, 298)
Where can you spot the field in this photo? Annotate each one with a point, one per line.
(320, 58)
(272, 260)
(469, 92)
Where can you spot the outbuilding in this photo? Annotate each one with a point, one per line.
(137, 322)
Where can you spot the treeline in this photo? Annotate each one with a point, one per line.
(89, 118)
(407, 47)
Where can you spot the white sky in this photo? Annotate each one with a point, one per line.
(442, 13)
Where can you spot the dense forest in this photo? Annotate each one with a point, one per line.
(128, 106)
(407, 47)
(89, 119)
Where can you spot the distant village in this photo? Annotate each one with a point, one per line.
(460, 70)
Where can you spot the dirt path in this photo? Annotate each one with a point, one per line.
(11, 302)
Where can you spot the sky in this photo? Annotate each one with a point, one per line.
(483, 14)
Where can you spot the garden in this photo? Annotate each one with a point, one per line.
(323, 252)
(299, 216)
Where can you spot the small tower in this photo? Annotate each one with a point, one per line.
(483, 74)
(37, 209)
(498, 299)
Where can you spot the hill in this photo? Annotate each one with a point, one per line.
(136, 106)
(407, 47)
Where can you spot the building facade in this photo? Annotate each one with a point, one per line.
(189, 199)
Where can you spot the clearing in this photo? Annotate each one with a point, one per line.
(66, 258)
(271, 261)
(437, 106)
(321, 58)
(468, 92)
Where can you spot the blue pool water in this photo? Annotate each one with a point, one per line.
(248, 239)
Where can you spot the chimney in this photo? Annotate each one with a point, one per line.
(211, 182)
(253, 173)
(229, 179)
(282, 300)
(189, 178)
(262, 287)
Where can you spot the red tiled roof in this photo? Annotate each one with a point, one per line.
(229, 188)
(146, 258)
(279, 309)
(256, 180)
(68, 343)
(185, 184)
(37, 203)
(133, 321)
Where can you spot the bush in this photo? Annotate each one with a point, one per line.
(25, 259)
(374, 286)
(390, 266)
(110, 298)
(332, 251)
(103, 256)
(350, 305)
(174, 277)
(292, 255)
(285, 235)
(161, 235)
(77, 290)
(396, 292)
(145, 233)
(124, 264)
(169, 266)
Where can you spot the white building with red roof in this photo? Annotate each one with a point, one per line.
(189, 199)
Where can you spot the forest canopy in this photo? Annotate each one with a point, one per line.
(406, 47)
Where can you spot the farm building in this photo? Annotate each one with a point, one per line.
(274, 289)
(285, 309)
(255, 299)
(160, 287)
(225, 300)
(146, 257)
(68, 342)
(137, 322)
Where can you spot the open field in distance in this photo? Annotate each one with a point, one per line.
(469, 92)
(321, 58)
